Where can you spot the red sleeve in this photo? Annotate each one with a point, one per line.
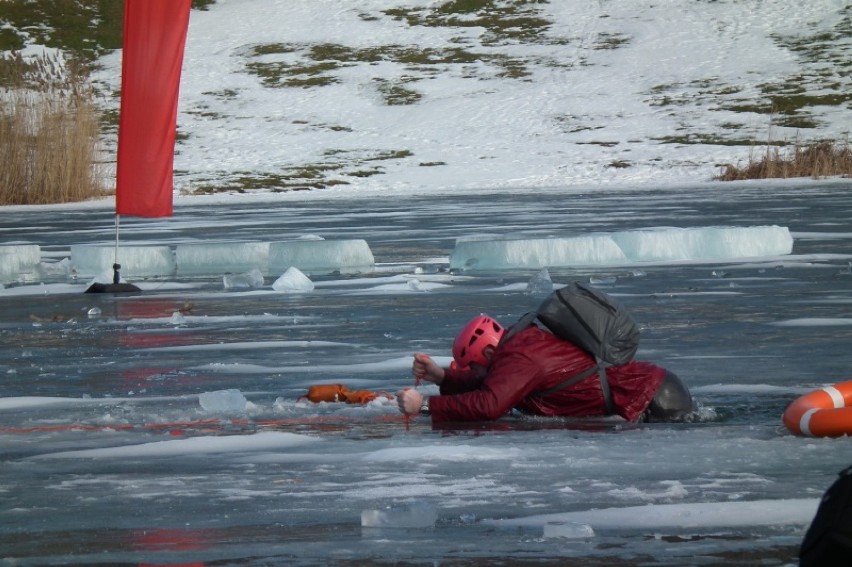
(459, 382)
(510, 378)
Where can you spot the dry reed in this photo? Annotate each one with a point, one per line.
(49, 134)
(824, 158)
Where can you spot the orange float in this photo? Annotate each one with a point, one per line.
(340, 393)
(826, 412)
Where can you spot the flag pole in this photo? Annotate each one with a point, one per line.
(116, 278)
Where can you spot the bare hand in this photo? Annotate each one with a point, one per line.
(409, 401)
(424, 368)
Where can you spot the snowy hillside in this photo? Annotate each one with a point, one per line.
(423, 95)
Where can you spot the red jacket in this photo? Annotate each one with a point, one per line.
(535, 360)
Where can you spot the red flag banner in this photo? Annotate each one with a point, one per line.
(154, 39)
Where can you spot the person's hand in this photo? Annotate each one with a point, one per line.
(424, 368)
(409, 401)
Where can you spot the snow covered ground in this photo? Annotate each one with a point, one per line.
(389, 96)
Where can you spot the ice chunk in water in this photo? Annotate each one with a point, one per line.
(60, 269)
(572, 530)
(406, 515)
(223, 401)
(249, 280)
(622, 248)
(310, 255)
(540, 284)
(136, 259)
(293, 281)
(716, 243)
(18, 259)
(201, 258)
(535, 253)
(321, 256)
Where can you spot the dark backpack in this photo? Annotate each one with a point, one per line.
(828, 541)
(591, 320)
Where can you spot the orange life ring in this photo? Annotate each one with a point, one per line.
(826, 412)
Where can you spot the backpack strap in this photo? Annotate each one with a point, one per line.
(569, 382)
(601, 370)
(599, 367)
(522, 324)
(610, 408)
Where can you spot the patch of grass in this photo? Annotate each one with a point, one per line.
(85, 28)
(574, 124)
(293, 179)
(797, 121)
(224, 94)
(619, 164)
(315, 65)
(709, 90)
(823, 158)
(340, 165)
(793, 102)
(366, 172)
(389, 154)
(704, 140)
(600, 143)
(42, 73)
(827, 47)
(210, 114)
(49, 136)
(10, 40)
(395, 94)
(108, 119)
(790, 98)
(518, 21)
(315, 171)
(512, 68)
(202, 4)
(610, 41)
(271, 49)
(278, 74)
(504, 22)
(789, 114)
(826, 55)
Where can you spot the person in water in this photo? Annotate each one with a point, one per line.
(538, 373)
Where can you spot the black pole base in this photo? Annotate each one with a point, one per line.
(116, 286)
(112, 288)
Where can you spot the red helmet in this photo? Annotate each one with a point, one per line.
(481, 332)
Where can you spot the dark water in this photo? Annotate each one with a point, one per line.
(127, 468)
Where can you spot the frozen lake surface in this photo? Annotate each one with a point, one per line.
(113, 453)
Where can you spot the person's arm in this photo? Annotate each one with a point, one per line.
(458, 381)
(410, 401)
(450, 381)
(510, 378)
(424, 368)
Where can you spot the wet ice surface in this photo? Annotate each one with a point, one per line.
(109, 455)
